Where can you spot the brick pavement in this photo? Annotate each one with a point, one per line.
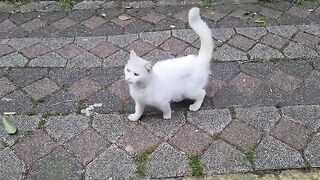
(261, 113)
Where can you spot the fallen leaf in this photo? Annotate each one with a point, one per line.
(124, 17)
(9, 127)
(110, 178)
(261, 20)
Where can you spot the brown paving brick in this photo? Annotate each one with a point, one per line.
(120, 89)
(88, 145)
(291, 133)
(137, 140)
(124, 23)
(182, 16)
(70, 51)
(246, 84)
(239, 13)
(64, 23)
(274, 41)
(190, 139)
(271, 13)
(241, 42)
(241, 135)
(34, 147)
(213, 86)
(174, 46)
(6, 25)
(298, 12)
(153, 17)
(213, 15)
(41, 88)
(6, 86)
(35, 51)
(104, 49)
(285, 82)
(94, 22)
(140, 47)
(84, 88)
(5, 49)
(307, 39)
(33, 25)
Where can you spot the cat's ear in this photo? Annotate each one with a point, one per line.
(149, 65)
(133, 54)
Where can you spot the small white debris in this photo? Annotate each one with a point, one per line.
(103, 15)
(6, 99)
(172, 26)
(88, 110)
(9, 113)
(124, 17)
(310, 10)
(129, 148)
(244, 80)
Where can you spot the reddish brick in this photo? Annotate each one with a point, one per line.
(213, 15)
(6, 25)
(246, 84)
(182, 16)
(84, 88)
(174, 46)
(124, 23)
(35, 51)
(120, 89)
(307, 39)
(274, 41)
(6, 86)
(140, 47)
(4, 49)
(285, 82)
(241, 42)
(239, 13)
(94, 22)
(271, 13)
(70, 51)
(33, 25)
(104, 49)
(41, 88)
(298, 12)
(153, 17)
(64, 23)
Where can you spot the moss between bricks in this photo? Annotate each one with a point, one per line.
(194, 162)
(141, 160)
(250, 156)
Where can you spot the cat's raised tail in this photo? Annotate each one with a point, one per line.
(204, 32)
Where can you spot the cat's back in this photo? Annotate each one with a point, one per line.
(175, 65)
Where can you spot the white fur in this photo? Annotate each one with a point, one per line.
(173, 79)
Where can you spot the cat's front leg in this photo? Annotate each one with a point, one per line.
(139, 108)
(166, 109)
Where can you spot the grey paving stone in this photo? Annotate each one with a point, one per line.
(224, 71)
(213, 86)
(59, 163)
(21, 43)
(139, 26)
(13, 60)
(296, 50)
(264, 52)
(155, 38)
(165, 161)
(157, 55)
(119, 58)
(66, 76)
(252, 32)
(7, 86)
(307, 115)
(63, 128)
(300, 69)
(20, 18)
(231, 22)
(59, 103)
(241, 135)
(107, 29)
(108, 76)
(211, 121)
(137, 140)
(224, 158)
(89, 42)
(190, 139)
(111, 126)
(291, 133)
(123, 40)
(273, 154)
(17, 102)
(85, 60)
(246, 84)
(228, 53)
(312, 29)
(11, 167)
(26, 76)
(187, 35)
(284, 31)
(188, 51)
(222, 34)
(76, 30)
(229, 96)
(48, 60)
(261, 70)
(34, 147)
(56, 42)
(24, 124)
(114, 163)
(312, 151)
(285, 82)
(87, 5)
(87, 145)
(262, 118)
(5, 49)
(110, 103)
(166, 23)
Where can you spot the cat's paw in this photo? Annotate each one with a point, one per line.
(167, 116)
(194, 107)
(133, 117)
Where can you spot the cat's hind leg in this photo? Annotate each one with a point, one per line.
(198, 96)
(166, 109)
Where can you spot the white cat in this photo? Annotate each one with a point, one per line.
(157, 84)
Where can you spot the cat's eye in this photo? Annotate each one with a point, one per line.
(128, 70)
(136, 74)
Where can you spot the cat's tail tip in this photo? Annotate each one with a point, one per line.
(194, 14)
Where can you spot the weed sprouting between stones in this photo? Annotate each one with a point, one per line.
(141, 160)
(194, 162)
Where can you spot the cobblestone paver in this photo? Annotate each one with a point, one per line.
(261, 111)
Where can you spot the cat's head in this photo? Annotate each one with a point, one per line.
(137, 70)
